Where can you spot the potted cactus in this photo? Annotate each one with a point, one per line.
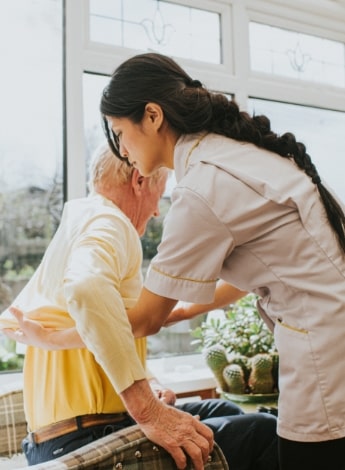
(240, 351)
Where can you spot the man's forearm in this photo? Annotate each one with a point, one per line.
(140, 401)
(178, 432)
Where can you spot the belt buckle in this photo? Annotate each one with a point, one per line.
(31, 437)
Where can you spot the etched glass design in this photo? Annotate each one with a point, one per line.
(295, 55)
(156, 25)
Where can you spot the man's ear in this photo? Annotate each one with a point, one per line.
(137, 182)
(154, 114)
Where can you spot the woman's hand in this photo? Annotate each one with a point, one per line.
(180, 313)
(166, 395)
(33, 333)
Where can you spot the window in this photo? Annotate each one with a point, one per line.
(286, 60)
(157, 25)
(295, 55)
(225, 45)
(318, 129)
(31, 157)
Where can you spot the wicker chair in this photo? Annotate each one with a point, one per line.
(127, 449)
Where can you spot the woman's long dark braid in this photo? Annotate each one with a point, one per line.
(257, 129)
(189, 108)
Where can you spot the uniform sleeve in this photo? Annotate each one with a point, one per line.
(105, 261)
(193, 248)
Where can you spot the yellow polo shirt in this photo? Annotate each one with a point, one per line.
(88, 277)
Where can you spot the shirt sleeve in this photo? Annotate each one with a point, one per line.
(105, 262)
(193, 248)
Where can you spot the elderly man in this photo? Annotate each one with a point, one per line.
(88, 277)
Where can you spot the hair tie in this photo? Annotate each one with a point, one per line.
(316, 179)
(195, 83)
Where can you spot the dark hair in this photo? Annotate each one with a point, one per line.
(189, 107)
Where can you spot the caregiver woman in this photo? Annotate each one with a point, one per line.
(251, 210)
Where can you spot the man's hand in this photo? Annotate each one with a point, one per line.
(182, 435)
(179, 433)
(166, 395)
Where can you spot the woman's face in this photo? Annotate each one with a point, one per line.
(148, 145)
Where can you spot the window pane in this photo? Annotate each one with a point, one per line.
(176, 339)
(92, 91)
(321, 130)
(31, 158)
(157, 25)
(295, 55)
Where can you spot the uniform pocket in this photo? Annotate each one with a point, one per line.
(301, 409)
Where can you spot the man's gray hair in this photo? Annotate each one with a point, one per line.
(106, 170)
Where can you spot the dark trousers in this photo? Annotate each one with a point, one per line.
(327, 455)
(55, 448)
(248, 441)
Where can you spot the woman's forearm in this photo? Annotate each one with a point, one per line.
(225, 294)
(150, 313)
(32, 333)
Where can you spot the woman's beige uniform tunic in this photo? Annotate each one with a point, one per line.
(252, 218)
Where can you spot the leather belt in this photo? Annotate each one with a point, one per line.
(73, 424)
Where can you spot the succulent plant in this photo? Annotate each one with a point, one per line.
(240, 349)
(234, 378)
(261, 378)
(216, 359)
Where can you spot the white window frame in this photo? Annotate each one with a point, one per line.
(324, 18)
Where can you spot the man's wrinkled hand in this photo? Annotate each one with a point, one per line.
(182, 435)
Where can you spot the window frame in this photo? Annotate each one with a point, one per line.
(322, 18)
(233, 76)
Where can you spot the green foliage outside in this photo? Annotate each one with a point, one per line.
(154, 229)
(151, 238)
(9, 359)
(12, 274)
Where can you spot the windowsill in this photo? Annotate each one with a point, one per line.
(10, 377)
(182, 374)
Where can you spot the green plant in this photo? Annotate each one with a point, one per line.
(240, 349)
(9, 360)
(242, 331)
(12, 274)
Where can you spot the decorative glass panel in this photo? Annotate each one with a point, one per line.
(157, 25)
(295, 55)
(321, 130)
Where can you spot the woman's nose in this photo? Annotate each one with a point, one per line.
(123, 151)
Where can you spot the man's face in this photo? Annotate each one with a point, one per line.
(148, 206)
